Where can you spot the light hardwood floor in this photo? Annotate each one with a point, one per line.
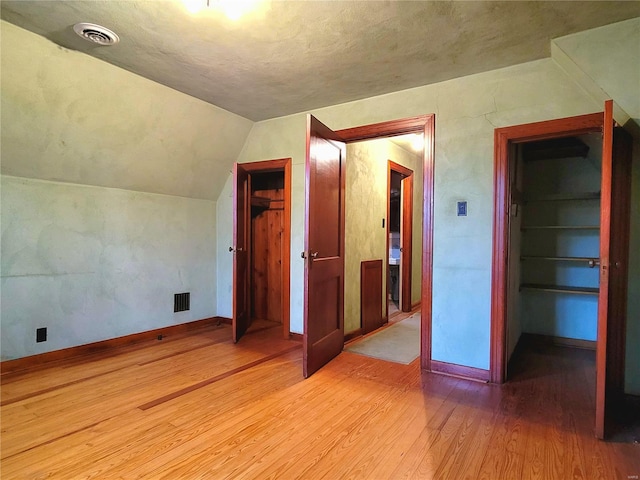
(198, 406)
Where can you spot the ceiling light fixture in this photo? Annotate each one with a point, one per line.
(233, 9)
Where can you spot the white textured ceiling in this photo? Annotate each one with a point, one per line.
(293, 56)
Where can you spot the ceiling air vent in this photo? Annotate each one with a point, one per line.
(96, 33)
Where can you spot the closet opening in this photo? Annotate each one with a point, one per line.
(262, 237)
(561, 257)
(554, 267)
(267, 229)
(554, 241)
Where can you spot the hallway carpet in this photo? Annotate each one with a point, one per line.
(398, 343)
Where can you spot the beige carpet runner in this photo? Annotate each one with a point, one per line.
(398, 343)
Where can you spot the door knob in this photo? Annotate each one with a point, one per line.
(314, 254)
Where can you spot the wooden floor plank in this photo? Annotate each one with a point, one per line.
(253, 415)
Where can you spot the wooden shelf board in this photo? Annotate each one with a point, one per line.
(556, 197)
(260, 202)
(561, 227)
(560, 259)
(560, 289)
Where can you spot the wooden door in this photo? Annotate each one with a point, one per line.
(324, 247)
(406, 234)
(241, 254)
(614, 232)
(614, 238)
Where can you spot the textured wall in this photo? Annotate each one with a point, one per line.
(467, 111)
(610, 57)
(606, 62)
(93, 263)
(70, 117)
(267, 140)
(366, 206)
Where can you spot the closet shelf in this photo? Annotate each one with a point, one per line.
(555, 148)
(559, 289)
(561, 227)
(260, 202)
(558, 197)
(591, 261)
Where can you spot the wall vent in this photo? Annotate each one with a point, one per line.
(181, 302)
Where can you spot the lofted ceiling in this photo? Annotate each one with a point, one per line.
(292, 56)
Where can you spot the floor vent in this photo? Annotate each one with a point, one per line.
(181, 302)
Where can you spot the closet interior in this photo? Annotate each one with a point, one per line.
(554, 241)
(267, 227)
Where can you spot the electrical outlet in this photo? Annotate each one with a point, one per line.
(41, 334)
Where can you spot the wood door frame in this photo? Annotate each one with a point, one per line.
(424, 124)
(406, 211)
(280, 165)
(504, 138)
(614, 242)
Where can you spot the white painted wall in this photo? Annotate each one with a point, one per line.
(268, 140)
(93, 263)
(102, 261)
(609, 58)
(605, 61)
(70, 117)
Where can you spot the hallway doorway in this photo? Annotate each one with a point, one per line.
(399, 238)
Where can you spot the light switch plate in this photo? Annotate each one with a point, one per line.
(462, 209)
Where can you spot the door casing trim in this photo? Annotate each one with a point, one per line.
(280, 165)
(424, 124)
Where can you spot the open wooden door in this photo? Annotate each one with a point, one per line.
(614, 252)
(324, 247)
(240, 249)
(614, 247)
(406, 234)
